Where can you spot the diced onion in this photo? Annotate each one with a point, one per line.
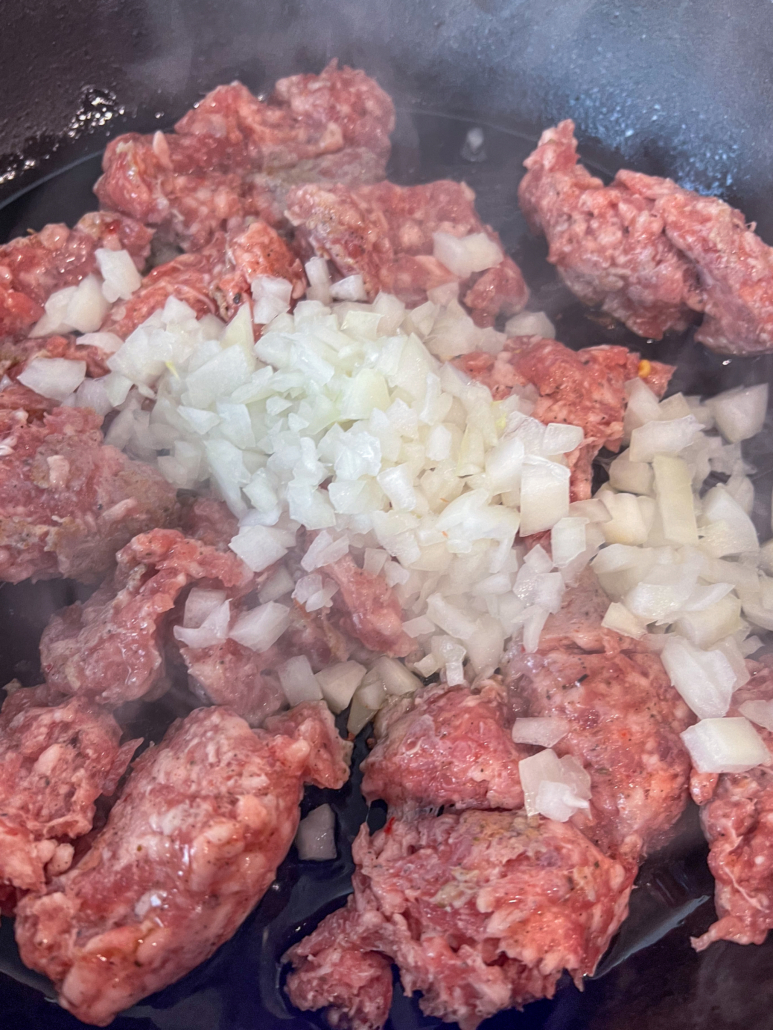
(271, 297)
(367, 700)
(263, 626)
(552, 786)
(338, 683)
(467, 254)
(740, 413)
(119, 273)
(315, 838)
(544, 732)
(725, 745)
(200, 604)
(705, 679)
(298, 681)
(213, 630)
(56, 378)
(760, 712)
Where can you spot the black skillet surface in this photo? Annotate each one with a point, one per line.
(642, 97)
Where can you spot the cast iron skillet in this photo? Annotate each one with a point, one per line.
(681, 91)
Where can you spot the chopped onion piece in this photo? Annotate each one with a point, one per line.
(467, 254)
(705, 627)
(298, 681)
(315, 838)
(673, 490)
(530, 323)
(394, 676)
(260, 546)
(620, 620)
(200, 604)
(119, 272)
(213, 630)
(271, 297)
(544, 732)
(544, 495)
(279, 584)
(760, 712)
(367, 700)
(87, 307)
(260, 628)
(705, 679)
(338, 683)
(733, 531)
(56, 378)
(567, 540)
(553, 787)
(667, 437)
(740, 413)
(725, 746)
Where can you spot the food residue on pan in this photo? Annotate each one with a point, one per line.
(297, 427)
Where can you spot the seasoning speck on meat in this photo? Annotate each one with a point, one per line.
(480, 911)
(189, 849)
(583, 388)
(68, 501)
(111, 647)
(55, 761)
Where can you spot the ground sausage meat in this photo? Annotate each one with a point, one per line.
(446, 746)
(111, 647)
(227, 158)
(55, 761)
(608, 244)
(737, 818)
(188, 850)
(385, 232)
(68, 502)
(480, 911)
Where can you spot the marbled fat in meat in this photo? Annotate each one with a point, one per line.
(189, 849)
(111, 647)
(583, 388)
(480, 911)
(446, 746)
(56, 759)
(68, 501)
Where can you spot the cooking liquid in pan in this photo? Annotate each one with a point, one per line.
(650, 977)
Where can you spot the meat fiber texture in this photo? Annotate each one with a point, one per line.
(232, 156)
(480, 911)
(214, 280)
(384, 233)
(648, 252)
(56, 759)
(35, 266)
(68, 502)
(624, 721)
(583, 388)
(111, 648)
(446, 746)
(189, 849)
(737, 819)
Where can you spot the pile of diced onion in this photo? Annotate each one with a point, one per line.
(344, 419)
